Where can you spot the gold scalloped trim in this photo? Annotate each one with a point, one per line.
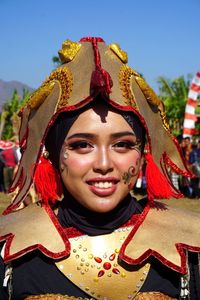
(148, 92)
(124, 81)
(64, 78)
(165, 122)
(38, 97)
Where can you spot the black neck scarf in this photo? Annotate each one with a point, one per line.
(73, 214)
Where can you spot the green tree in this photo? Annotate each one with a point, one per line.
(174, 94)
(56, 61)
(9, 111)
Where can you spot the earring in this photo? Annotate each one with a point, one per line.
(45, 154)
(65, 155)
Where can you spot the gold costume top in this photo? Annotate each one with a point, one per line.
(119, 260)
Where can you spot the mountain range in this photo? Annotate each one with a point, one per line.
(7, 88)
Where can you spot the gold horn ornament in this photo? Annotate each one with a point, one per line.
(119, 52)
(69, 51)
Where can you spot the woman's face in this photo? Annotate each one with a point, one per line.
(100, 159)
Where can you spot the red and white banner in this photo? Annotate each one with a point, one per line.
(190, 116)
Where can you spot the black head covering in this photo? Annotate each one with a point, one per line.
(58, 132)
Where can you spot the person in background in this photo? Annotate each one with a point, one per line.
(10, 162)
(194, 161)
(184, 181)
(2, 187)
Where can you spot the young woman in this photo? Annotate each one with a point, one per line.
(82, 136)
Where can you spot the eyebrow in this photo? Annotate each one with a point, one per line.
(91, 135)
(122, 133)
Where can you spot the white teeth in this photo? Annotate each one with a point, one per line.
(103, 185)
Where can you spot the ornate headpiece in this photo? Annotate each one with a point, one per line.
(90, 67)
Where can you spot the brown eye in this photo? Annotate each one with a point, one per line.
(80, 146)
(124, 145)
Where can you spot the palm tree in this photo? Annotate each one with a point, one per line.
(174, 94)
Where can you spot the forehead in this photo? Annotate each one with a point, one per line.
(100, 119)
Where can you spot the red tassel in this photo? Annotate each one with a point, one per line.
(47, 181)
(101, 82)
(157, 185)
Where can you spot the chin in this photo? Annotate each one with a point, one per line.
(103, 206)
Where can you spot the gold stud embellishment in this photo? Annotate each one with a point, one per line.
(119, 52)
(68, 51)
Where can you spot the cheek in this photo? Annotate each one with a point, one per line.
(77, 165)
(132, 160)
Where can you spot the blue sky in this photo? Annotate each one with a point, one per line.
(161, 37)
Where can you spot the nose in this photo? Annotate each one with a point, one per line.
(103, 163)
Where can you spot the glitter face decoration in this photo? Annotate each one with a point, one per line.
(129, 174)
(132, 173)
(65, 155)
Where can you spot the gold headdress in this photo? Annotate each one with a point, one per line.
(91, 67)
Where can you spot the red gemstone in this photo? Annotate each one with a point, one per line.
(101, 273)
(116, 271)
(107, 265)
(98, 259)
(112, 257)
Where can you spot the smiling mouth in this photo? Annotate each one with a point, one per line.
(102, 184)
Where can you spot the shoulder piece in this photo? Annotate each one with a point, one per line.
(163, 232)
(31, 228)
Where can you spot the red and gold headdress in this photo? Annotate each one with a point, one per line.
(90, 67)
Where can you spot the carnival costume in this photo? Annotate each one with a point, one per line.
(147, 251)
